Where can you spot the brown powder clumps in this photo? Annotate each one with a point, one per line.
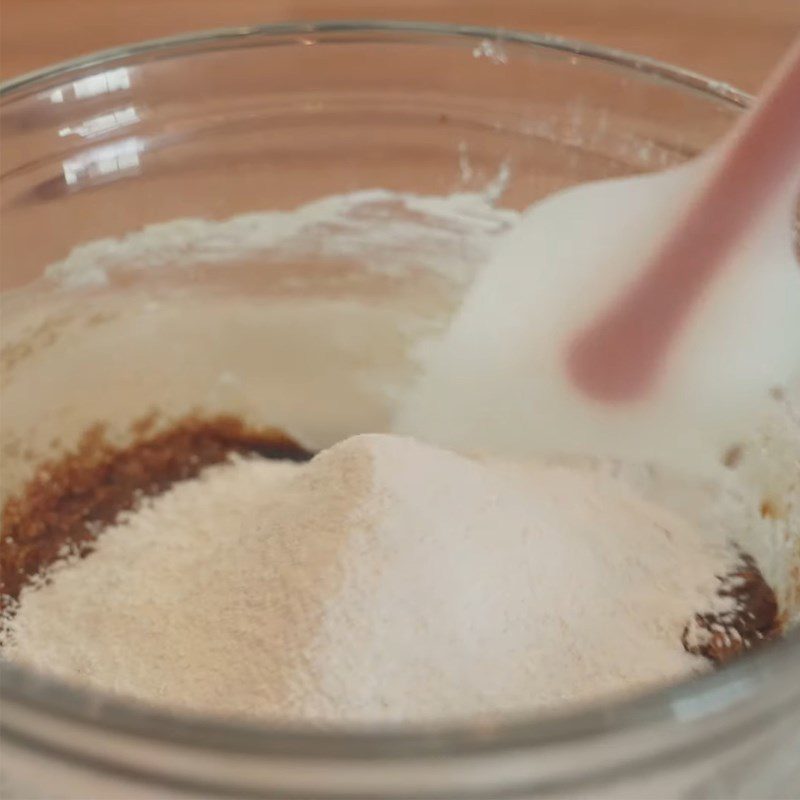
(71, 499)
(750, 620)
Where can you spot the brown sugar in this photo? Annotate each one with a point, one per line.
(752, 621)
(70, 500)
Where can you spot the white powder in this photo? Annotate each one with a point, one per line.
(385, 580)
(473, 587)
(502, 361)
(386, 232)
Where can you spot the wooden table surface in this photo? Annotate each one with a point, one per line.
(732, 40)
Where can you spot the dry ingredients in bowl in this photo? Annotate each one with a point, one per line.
(213, 567)
(383, 580)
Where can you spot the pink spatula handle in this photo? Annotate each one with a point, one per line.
(619, 356)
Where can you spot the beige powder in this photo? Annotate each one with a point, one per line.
(385, 580)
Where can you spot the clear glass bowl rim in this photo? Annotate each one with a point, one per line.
(755, 675)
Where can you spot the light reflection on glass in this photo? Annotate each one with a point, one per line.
(106, 82)
(102, 124)
(103, 162)
(712, 700)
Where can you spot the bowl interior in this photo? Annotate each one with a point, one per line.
(268, 225)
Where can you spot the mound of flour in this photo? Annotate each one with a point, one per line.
(384, 580)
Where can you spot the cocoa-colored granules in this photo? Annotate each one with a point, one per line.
(751, 622)
(70, 500)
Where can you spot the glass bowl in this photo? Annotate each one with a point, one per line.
(144, 231)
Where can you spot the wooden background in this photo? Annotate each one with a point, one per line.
(732, 40)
